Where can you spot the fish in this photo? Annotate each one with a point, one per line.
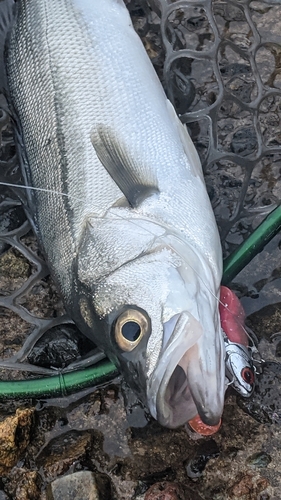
(117, 199)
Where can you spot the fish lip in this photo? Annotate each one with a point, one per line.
(209, 408)
(209, 419)
(159, 382)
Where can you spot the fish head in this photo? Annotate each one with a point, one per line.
(160, 325)
(189, 377)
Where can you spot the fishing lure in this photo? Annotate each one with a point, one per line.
(239, 367)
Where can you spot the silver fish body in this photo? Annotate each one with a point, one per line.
(132, 240)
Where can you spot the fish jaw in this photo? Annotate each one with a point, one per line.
(184, 385)
(207, 384)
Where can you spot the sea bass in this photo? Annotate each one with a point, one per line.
(119, 202)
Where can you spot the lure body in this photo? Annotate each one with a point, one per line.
(239, 364)
(239, 368)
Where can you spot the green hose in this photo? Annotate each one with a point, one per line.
(60, 385)
(252, 246)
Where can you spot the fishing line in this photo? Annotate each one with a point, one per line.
(135, 222)
(118, 216)
(50, 191)
(63, 387)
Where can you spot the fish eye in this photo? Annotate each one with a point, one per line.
(130, 327)
(248, 375)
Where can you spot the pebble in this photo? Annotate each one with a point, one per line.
(3, 496)
(248, 486)
(14, 437)
(259, 460)
(244, 141)
(62, 451)
(23, 484)
(196, 465)
(79, 486)
(168, 490)
(165, 490)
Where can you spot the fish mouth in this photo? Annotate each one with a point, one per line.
(175, 404)
(177, 389)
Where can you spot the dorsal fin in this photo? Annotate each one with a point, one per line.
(122, 167)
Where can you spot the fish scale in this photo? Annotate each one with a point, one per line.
(95, 125)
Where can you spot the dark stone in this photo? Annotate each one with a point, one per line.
(195, 467)
(259, 460)
(60, 346)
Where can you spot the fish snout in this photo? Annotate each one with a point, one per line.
(209, 404)
(210, 416)
(206, 378)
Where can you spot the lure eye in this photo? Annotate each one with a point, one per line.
(248, 376)
(130, 327)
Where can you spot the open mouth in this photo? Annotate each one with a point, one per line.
(178, 401)
(187, 386)
(168, 393)
(178, 388)
(176, 406)
(183, 408)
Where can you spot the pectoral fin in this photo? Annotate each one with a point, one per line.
(135, 184)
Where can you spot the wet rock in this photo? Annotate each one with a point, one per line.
(259, 460)
(244, 141)
(59, 347)
(13, 332)
(248, 486)
(82, 485)
(278, 350)
(165, 491)
(167, 475)
(264, 406)
(62, 451)
(266, 321)
(10, 219)
(195, 467)
(105, 413)
(235, 69)
(15, 270)
(14, 437)
(23, 484)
